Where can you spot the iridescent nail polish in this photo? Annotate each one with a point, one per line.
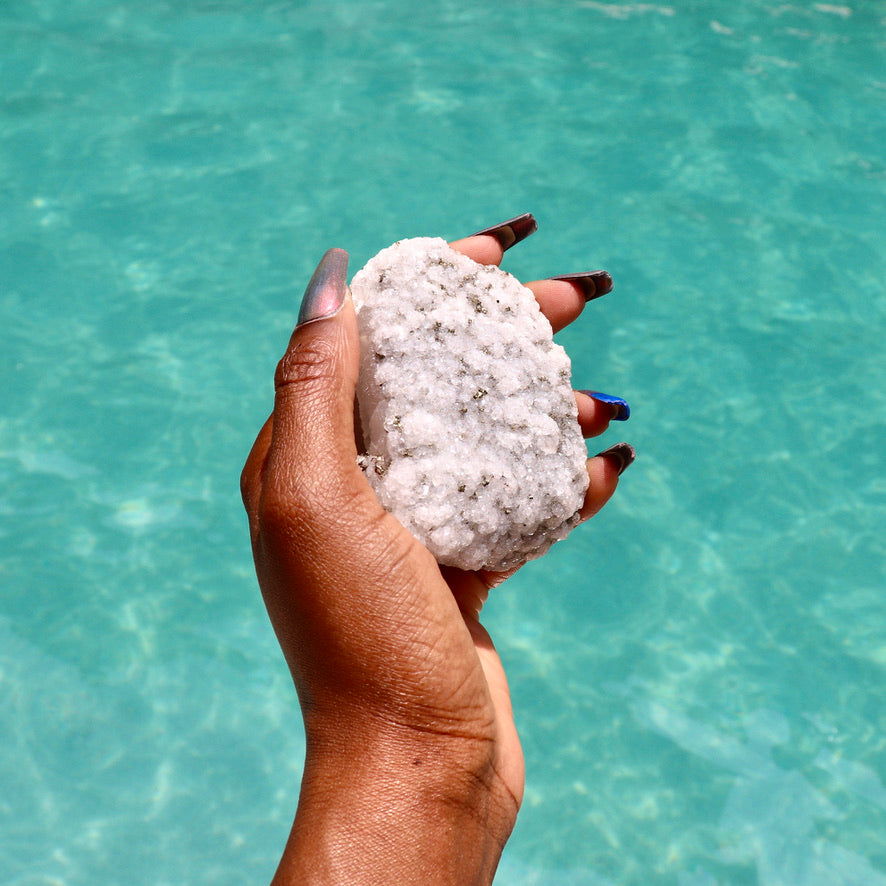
(326, 291)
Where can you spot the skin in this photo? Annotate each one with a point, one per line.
(413, 770)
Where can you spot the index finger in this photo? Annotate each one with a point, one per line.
(489, 245)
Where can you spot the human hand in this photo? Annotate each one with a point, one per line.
(413, 770)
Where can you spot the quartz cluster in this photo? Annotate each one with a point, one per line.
(470, 427)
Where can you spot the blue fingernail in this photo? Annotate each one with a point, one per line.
(620, 409)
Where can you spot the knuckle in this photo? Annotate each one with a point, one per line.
(247, 493)
(294, 501)
(275, 513)
(305, 363)
(308, 509)
(253, 470)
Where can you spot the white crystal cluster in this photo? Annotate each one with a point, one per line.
(469, 421)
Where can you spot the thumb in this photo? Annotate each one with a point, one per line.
(311, 462)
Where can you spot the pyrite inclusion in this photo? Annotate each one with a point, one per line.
(469, 421)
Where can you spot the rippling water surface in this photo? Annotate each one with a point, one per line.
(700, 674)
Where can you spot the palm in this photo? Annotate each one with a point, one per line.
(472, 677)
(435, 667)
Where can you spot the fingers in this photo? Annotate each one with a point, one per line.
(603, 473)
(488, 246)
(485, 250)
(311, 454)
(596, 410)
(604, 469)
(562, 299)
(308, 442)
(471, 589)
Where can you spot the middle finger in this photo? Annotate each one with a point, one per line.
(563, 298)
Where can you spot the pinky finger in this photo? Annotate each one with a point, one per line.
(603, 473)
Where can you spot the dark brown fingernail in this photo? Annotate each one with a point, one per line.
(325, 294)
(593, 283)
(621, 455)
(512, 231)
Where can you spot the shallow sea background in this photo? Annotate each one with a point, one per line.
(699, 675)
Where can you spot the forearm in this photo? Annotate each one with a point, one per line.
(402, 817)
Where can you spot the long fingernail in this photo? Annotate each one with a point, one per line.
(325, 294)
(621, 455)
(618, 407)
(593, 283)
(512, 231)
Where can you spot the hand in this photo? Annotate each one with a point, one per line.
(413, 769)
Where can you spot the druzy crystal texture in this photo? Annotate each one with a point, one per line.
(470, 425)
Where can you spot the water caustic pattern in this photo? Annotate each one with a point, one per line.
(699, 673)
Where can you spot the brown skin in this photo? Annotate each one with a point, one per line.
(413, 771)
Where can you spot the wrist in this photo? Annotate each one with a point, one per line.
(398, 807)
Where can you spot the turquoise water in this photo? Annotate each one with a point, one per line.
(699, 675)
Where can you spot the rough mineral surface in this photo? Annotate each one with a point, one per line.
(469, 420)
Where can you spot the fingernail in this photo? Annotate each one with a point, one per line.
(593, 283)
(325, 294)
(512, 231)
(621, 455)
(619, 408)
